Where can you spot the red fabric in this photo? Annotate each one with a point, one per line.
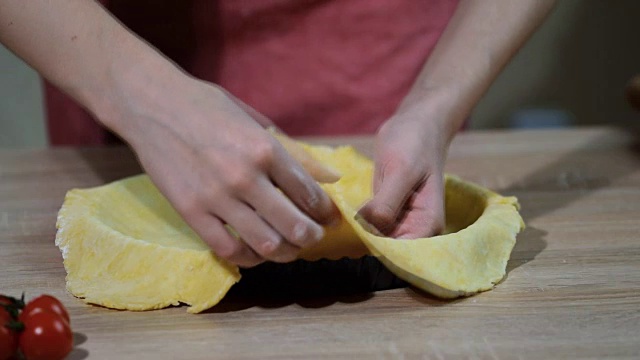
(316, 67)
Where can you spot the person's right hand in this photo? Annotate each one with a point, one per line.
(219, 167)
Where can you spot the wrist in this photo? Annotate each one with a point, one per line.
(135, 87)
(442, 108)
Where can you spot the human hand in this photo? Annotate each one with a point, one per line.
(408, 184)
(218, 167)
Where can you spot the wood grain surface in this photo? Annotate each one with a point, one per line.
(572, 290)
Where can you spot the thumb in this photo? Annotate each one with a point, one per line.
(424, 212)
(392, 190)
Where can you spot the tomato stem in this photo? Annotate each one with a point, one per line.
(16, 326)
(11, 310)
(17, 303)
(14, 306)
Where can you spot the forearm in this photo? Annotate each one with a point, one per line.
(480, 39)
(84, 51)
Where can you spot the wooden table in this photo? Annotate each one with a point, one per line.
(572, 291)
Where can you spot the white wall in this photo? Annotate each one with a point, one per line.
(579, 62)
(21, 108)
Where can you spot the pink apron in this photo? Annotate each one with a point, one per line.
(315, 67)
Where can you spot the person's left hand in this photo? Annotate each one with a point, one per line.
(408, 183)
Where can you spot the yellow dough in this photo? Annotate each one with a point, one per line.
(125, 247)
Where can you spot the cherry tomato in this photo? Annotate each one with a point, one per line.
(8, 337)
(46, 336)
(44, 303)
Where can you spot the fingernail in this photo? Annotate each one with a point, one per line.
(368, 226)
(335, 222)
(309, 232)
(313, 200)
(299, 231)
(271, 245)
(317, 232)
(326, 175)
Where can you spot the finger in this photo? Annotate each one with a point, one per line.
(213, 232)
(277, 210)
(256, 233)
(395, 185)
(300, 187)
(318, 171)
(424, 214)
